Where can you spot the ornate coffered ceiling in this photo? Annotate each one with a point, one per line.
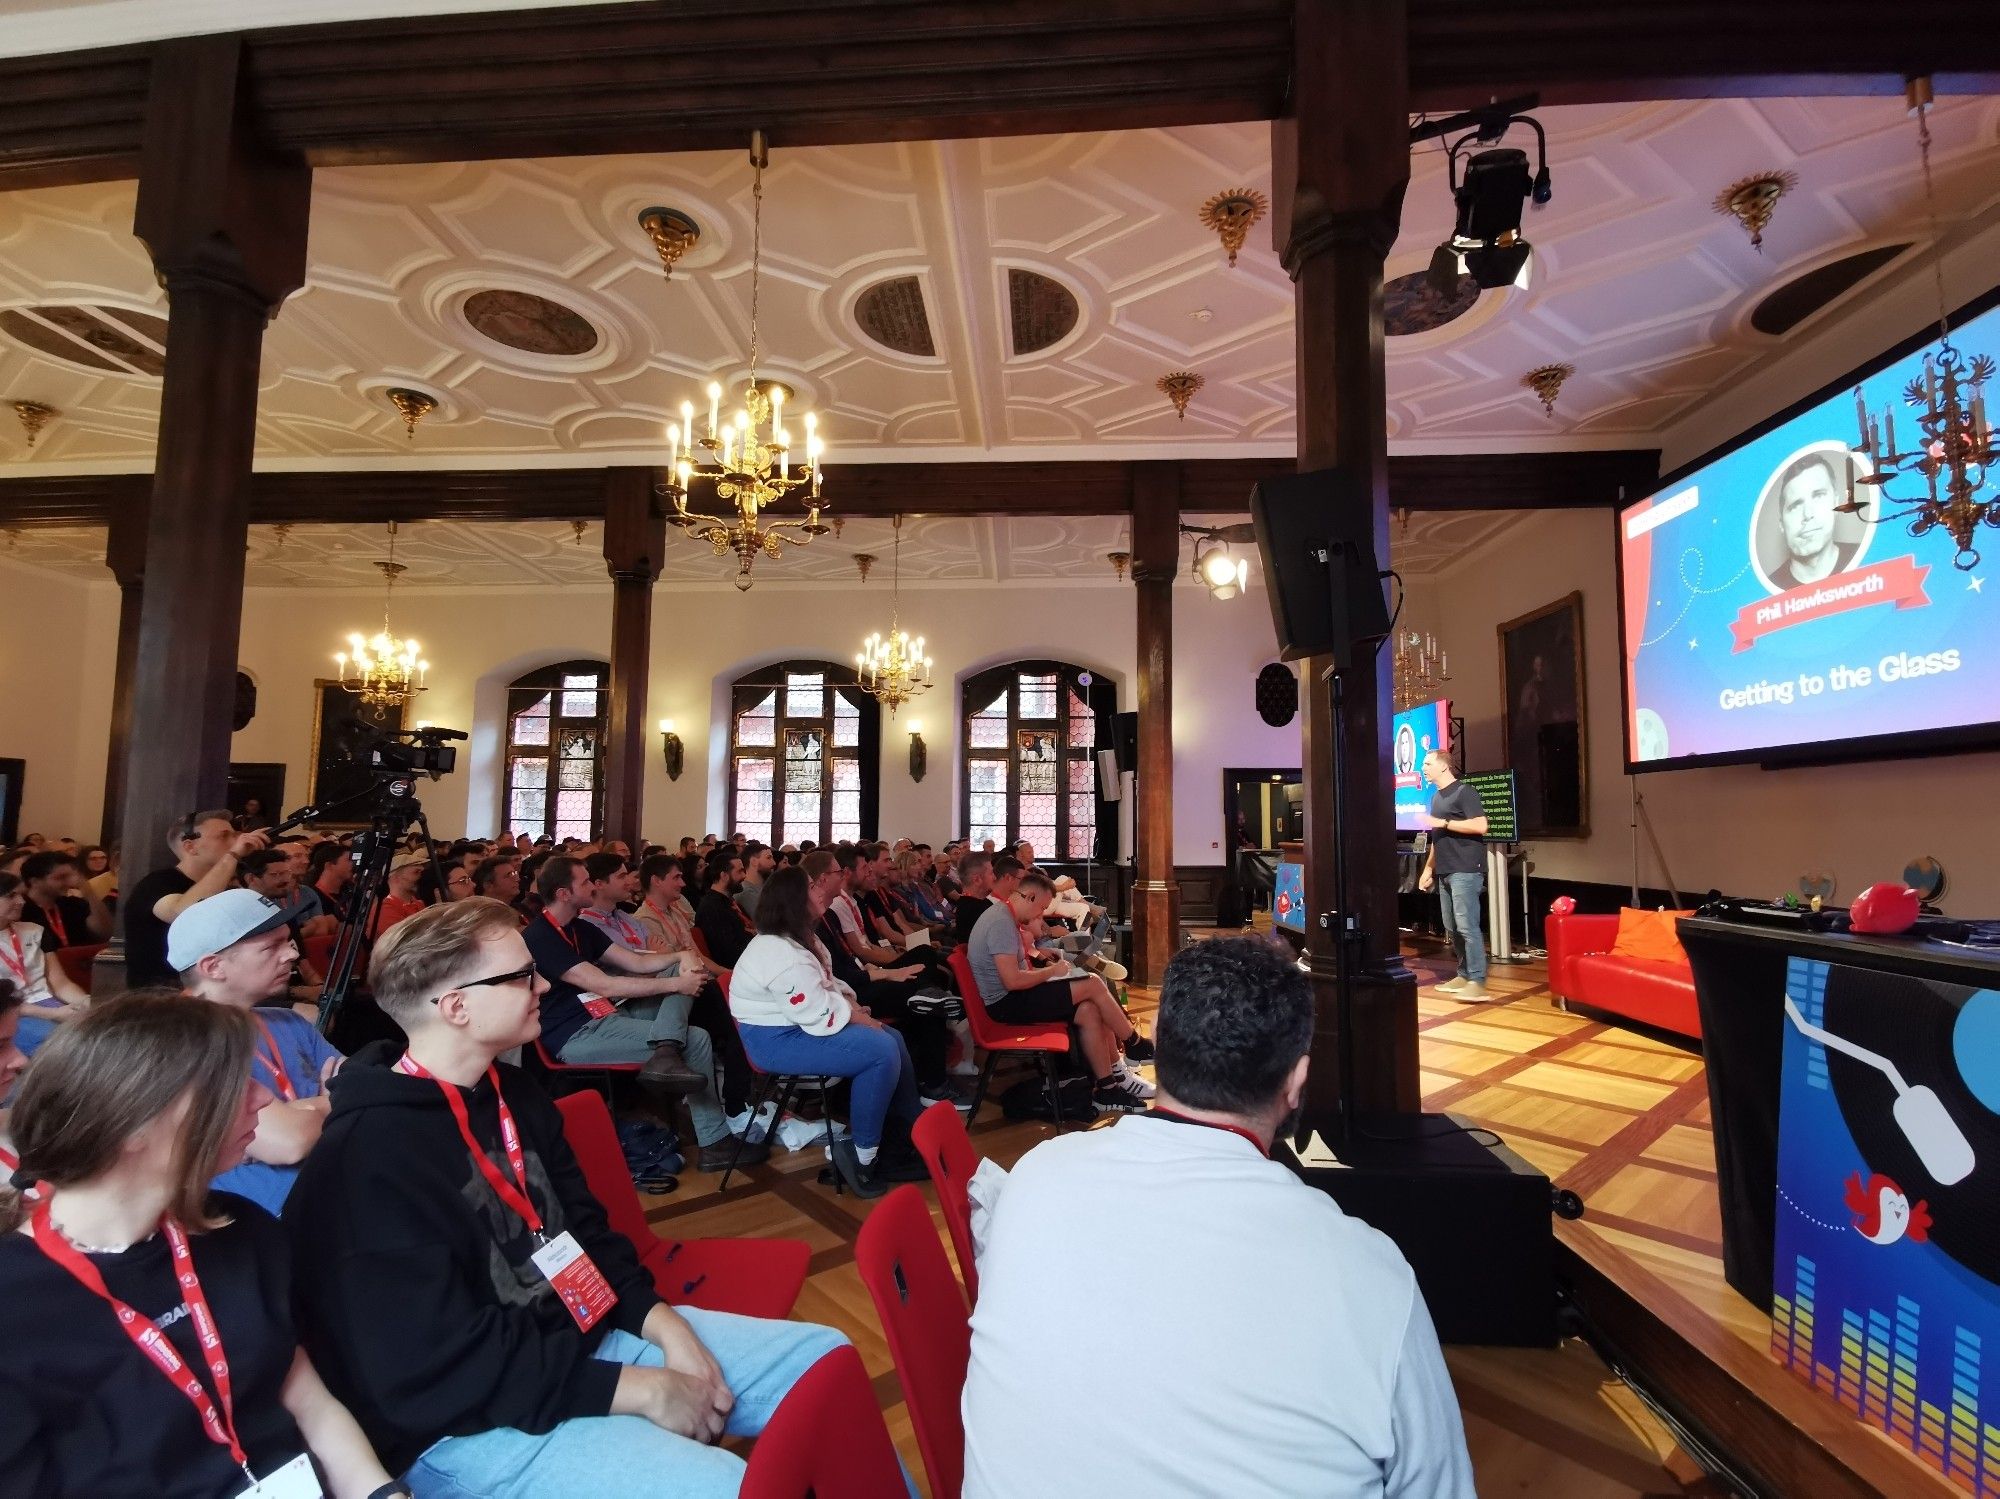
(1639, 283)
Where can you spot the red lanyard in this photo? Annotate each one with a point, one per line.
(52, 919)
(514, 1193)
(274, 1061)
(562, 932)
(220, 1424)
(1255, 1144)
(19, 962)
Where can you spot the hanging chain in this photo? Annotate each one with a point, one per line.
(1930, 205)
(758, 157)
(896, 578)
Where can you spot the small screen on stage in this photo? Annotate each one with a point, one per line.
(1495, 789)
(1771, 607)
(1288, 899)
(1417, 732)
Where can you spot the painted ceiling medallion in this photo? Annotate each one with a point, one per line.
(411, 405)
(34, 416)
(1751, 201)
(1179, 388)
(533, 324)
(1546, 381)
(1787, 306)
(1232, 214)
(892, 312)
(862, 562)
(1041, 308)
(673, 234)
(109, 340)
(1119, 561)
(1410, 304)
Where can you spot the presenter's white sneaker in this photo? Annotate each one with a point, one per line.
(1449, 986)
(1474, 994)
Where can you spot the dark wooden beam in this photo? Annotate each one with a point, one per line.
(669, 76)
(1081, 486)
(635, 546)
(1156, 558)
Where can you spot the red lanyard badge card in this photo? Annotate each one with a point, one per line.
(596, 1006)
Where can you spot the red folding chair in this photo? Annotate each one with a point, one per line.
(592, 1075)
(940, 1138)
(783, 1087)
(77, 961)
(751, 1277)
(1046, 1041)
(826, 1439)
(928, 1328)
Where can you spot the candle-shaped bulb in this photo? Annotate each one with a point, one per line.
(340, 658)
(812, 425)
(777, 405)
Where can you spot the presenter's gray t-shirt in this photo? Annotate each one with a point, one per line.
(995, 932)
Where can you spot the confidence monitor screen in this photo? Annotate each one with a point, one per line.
(1761, 623)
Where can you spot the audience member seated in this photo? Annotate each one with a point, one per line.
(301, 901)
(60, 901)
(664, 913)
(206, 847)
(758, 863)
(797, 1017)
(1023, 985)
(977, 876)
(613, 885)
(236, 950)
(498, 878)
(1299, 1357)
(148, 1318)
(50, 997)
(331, 870)
(720, 920)
(400, 900)
(270, 872)
(637, 1014)
(461, 1286)
(866, 928)
(12, 1064)
(1089, 929)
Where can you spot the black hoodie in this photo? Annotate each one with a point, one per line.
(415, 1291)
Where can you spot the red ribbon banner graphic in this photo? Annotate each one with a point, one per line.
(1898, 581)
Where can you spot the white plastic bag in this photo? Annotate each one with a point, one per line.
(984, 1189)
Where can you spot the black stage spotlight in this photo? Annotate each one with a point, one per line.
(1486, 242)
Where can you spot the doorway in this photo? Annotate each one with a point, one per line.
(1261, 809)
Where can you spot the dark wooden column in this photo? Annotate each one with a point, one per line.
(1339, 169)
(125, 555)
(226, 225)
(635, 541)
(1156, 539)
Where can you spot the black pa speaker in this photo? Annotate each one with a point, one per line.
(1316, 536)
(1125, 740)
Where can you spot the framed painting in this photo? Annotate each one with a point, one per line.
(336, 773)
(1543, 719)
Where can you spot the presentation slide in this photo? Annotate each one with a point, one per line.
(1418, 731)
(1760, 616)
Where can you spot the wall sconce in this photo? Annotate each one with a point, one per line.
(673, 749)
(919, 757)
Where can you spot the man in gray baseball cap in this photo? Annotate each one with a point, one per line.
(236, 949)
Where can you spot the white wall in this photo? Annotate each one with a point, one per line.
(55, 698)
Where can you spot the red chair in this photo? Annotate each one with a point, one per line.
(940, 1138)
(826, 1439)
(701, 944)
(751, 1277)
(590, 1075)
(929, 1330)
(76, 962)
(1046, 1041)
(782, 1086)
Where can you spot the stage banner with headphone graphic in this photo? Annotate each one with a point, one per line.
(1888, 1240)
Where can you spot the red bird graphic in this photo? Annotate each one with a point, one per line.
(1883, 1212)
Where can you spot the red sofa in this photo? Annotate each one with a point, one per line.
(1582, 970)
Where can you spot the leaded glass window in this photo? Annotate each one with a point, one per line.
(555, 750)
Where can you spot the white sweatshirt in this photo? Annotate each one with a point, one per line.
(778, 982)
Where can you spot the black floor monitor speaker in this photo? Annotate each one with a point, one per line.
(1316, 536)
(1473, 1219)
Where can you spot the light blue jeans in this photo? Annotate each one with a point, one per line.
(875, 1057)
(1461, 895)
(625, 1457)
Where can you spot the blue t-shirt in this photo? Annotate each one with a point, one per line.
(303, 1051)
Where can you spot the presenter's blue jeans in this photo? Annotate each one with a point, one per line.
(876, 1058)
(625, 1457)
(1460, 896)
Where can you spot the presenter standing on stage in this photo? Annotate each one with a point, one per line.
(1456, 866)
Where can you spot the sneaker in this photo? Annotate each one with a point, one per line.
(905, 1165)
(1448, 986)
(1473, 994)
(939, 1003)
(1139, 1049)
(717, 1157)
(950, 1090)
(858, 1179)
(1122, 1093)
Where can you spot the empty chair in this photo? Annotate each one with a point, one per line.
(923, 1314)
(826, 1439)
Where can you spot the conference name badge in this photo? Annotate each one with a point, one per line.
(596, 1006)
(296, 1480)
(580, 1283)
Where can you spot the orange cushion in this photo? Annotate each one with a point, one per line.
(1649, 935)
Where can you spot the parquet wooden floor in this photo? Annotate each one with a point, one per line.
(1619, 1116)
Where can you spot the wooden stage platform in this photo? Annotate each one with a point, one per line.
(1618, 1116)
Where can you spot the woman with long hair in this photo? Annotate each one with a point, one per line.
(147, 1320)
(795, 1016)
(50, 997)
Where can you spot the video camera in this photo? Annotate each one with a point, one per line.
(424, 753)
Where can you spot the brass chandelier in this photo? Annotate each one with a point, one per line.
(1422, 669)
(745, 459)
(384, 672)
(893, 668)
(1955, 453)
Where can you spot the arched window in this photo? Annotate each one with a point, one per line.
(555, 750)
(804, 746)
(1030, 757)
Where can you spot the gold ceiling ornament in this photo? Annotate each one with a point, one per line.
(1954, 457)
(673, 234)
(34, 416)
(412, 405)
(1232, 214)
(839, 526)
(283, 531)
(893, 668)
(385, 672)
(862, 562)
(1119, 561)
(1546, 381)
(1179, 387)
(1751, 201)
(745, 465)
(576, 529)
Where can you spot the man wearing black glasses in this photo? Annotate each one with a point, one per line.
(205, 846)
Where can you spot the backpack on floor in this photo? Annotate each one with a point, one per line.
(1029, 1099)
